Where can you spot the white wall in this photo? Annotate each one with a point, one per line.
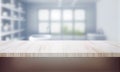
(119, 20)
(108, 18)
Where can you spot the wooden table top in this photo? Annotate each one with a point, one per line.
(59, 49)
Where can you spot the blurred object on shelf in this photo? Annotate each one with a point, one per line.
(7, 39)
(5, 14)
(6, 27)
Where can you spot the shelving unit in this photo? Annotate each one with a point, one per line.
(12, 20)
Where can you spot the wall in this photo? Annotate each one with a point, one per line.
(119, 19)
(107, 18)
(32, 17)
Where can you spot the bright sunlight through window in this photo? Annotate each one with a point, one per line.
(65, 22)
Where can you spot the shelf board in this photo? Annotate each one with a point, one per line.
(18, 10)
(11, 32)
(12, 18)
(12, 8)
(18, 30)
(7, 18)
(6, 6)
(6, 33)
(19, 19)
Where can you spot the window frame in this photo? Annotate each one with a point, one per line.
(62, 21)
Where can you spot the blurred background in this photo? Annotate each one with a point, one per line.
(59, 20)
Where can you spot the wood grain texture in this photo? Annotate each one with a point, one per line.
(59, 49)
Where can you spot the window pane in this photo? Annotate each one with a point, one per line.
(43, 15)
(67, 15)
(56, 28)
(79, 15)
(56, 15)
(44, 27)
(67, 28)
(79, 29)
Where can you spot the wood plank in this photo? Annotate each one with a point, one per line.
(59, 49)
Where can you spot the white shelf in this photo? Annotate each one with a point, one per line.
(12, 18)
(18, 19)
(11, 32)
(18, 10)
(7, 18)
(16, 31)
(6, 6)
(12, 8)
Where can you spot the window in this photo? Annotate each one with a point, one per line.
(67, 15)
(44, 27)
(62, 22)
(67, 28)
(44, 21)
(43, 15)
(55, 28)
(79, 15)
(79, 28)
(55, 15)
